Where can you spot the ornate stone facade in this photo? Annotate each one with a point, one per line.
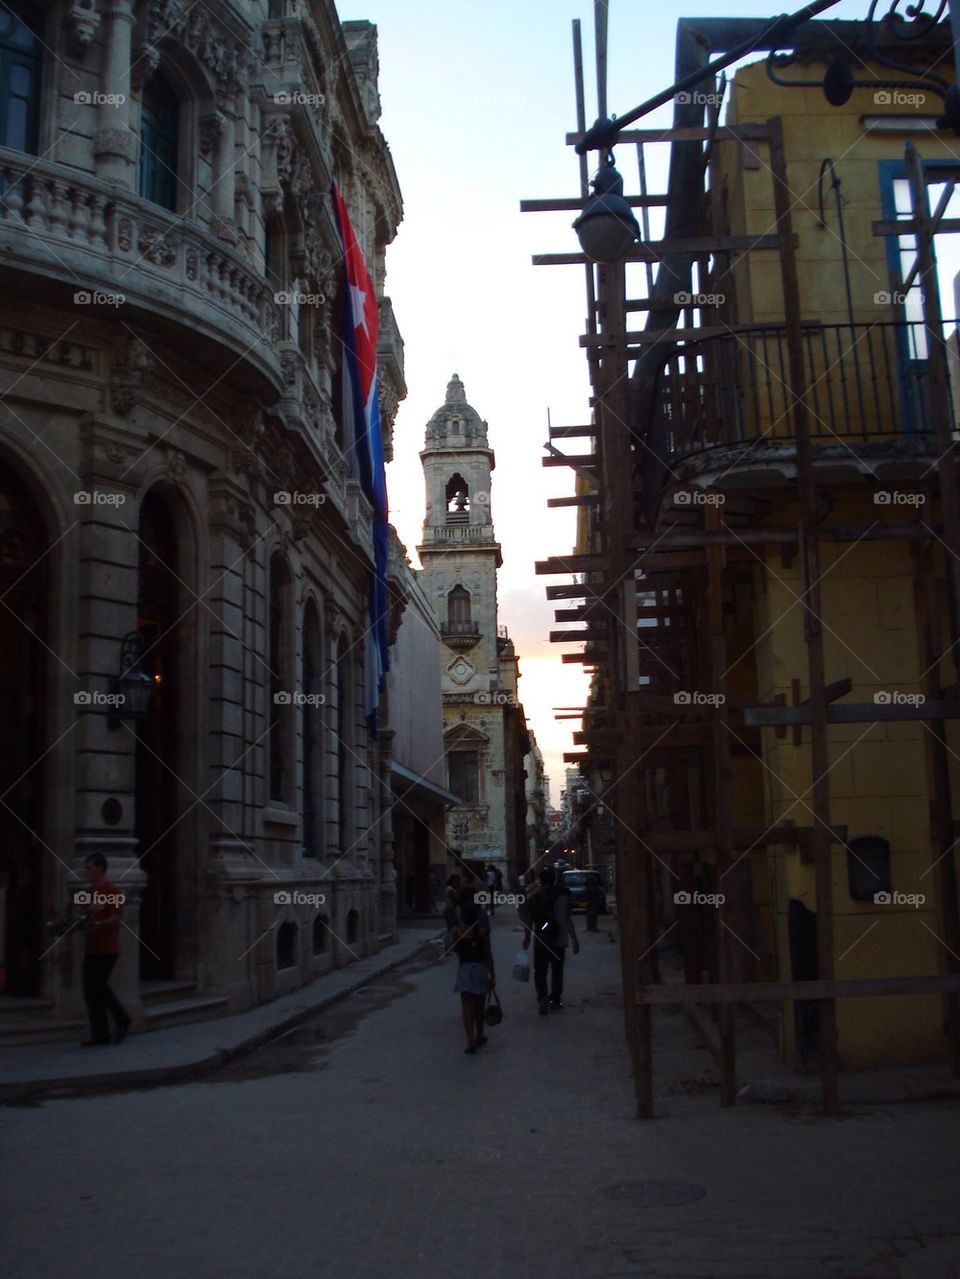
(175, 461)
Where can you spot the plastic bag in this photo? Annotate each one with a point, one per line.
(521, 966)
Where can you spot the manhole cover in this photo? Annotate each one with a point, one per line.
(654, 1194)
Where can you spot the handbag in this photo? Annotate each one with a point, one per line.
(494, 1012)
(521, 966)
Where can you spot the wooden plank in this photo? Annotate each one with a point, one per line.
(910, 226)
(578, 637)
(657, 249)
(687, 133)
(571, 564)
(851, 713)
(579, 499)
(772, 992)
(570, 432)
(570, 592)
(571, 204)
(571, 659)
(584, 460)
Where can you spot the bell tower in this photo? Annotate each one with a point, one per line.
(460, 557)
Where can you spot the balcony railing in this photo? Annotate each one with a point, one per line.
(866, 383)
(93, 236)
(471, 629)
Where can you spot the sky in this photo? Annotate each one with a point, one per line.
(477, 100)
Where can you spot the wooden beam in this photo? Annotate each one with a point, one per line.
(851, 713)
(571, 204)
(579, 499)
(571, 564)
(687, 133)
(655, 250)
(570, 432)
(578, 637)
(563, 459)
(909, 226)
(768, 992)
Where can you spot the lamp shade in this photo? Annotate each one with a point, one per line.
(606, 228)
(137, 689)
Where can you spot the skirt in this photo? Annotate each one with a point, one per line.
(472, 979)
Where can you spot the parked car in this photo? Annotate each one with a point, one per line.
(579, 883)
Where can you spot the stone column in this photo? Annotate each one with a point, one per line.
(114, 145)
(219, 137)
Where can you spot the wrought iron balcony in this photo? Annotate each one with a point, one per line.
(88, 236)
(867, 385)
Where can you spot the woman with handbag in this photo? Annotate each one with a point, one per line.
(475, 974)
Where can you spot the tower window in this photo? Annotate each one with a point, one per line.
(458, 606)
(464, 770)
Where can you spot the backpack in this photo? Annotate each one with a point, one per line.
(545, 925)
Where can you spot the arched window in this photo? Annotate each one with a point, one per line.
(353, 927)
(344, 734)
(20, 67)
(287, 945)
(278, 663)
(321, 927)
(463, 775)
(458, 606)
(312, 734)
(458, 499)
(159, 139)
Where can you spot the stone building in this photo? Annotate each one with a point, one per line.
(179, 500)
(485, 736)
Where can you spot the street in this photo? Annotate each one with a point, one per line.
(366, 1143)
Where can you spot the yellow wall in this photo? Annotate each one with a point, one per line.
(878, 774)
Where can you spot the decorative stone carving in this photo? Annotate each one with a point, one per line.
(206, 39)
(81, 21)
(212, 128)
(130, 365)
(145, 62)
(120, 142)
(176, 465)
(157, 246)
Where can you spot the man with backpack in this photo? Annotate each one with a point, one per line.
(550, 922)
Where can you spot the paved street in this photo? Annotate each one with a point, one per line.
(365, 1143)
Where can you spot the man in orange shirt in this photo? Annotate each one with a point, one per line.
(103, 904)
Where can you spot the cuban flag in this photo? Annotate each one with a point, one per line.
(360, 340)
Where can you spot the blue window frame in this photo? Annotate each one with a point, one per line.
(910, 338)
(159, 136)
(21, 55)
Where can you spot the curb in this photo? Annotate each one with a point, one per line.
(159, 1076)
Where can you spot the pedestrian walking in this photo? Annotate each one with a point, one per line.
(490, 882)
(550, 923)
(103, 907)
(475, 974)
(451, 897)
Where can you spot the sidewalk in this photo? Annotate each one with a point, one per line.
(184, 1052)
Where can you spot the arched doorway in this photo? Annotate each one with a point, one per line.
(156, 751)
(23, 543)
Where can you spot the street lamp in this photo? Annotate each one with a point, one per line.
(606, 228)
(133, 687)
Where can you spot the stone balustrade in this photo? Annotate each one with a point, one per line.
(94, 236)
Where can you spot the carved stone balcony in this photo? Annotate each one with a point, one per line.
(83, 235)
(460, 635)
